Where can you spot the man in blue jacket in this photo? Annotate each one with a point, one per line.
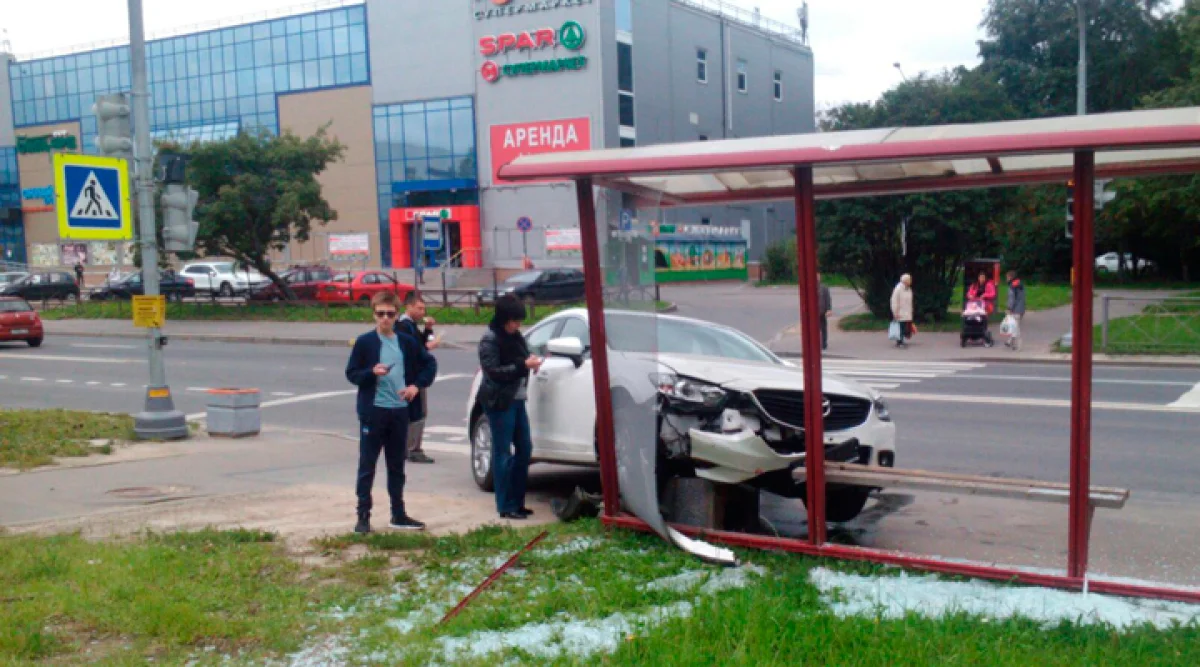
(390, 369)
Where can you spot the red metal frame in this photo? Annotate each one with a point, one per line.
(1079, 524)
(1082, 144)
(810, 340)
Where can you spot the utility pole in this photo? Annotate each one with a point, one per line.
(160, 420)
(1081, 92)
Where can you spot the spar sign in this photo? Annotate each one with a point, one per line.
(569, 36)
(509, 142)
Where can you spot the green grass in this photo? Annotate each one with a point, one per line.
(30, 438)
(283, 312)
(1167, 329)
(216, 596)
(829, 280)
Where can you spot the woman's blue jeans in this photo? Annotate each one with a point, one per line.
(512, 447)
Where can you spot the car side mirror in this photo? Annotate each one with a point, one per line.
(571, 348)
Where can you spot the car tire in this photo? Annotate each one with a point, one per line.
(844, 503)
(364, 300)
(71, 298)
(226, 290)
(34, 342)
(481, 453)
(177, 297)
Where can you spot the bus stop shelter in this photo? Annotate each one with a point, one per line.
(806, 168)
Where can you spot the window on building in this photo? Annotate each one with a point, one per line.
(702, 65)
(624, 15)
(625, 103)
(628, 143)
(706, 221)
(778, 86)
(704, 137)
(742, 82)
(625, 83)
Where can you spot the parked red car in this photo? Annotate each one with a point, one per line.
(18, 321)
(360, 286)
(305, 282)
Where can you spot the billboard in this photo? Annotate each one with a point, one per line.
(349, 245)
(509, 142)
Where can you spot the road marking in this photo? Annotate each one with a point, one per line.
(1041, 403)
(1189, 400)
(319, 369)
(80, 360)
(197, 389)
(3, 377)
(1034, 378)
(875, 385)
(98, 346)
(117, 384)
(65, 381)
(93, 383)
(282, 393)
(460, 431)
(33, 379)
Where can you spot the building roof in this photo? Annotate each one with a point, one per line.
(886, 161)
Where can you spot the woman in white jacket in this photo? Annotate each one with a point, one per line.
(902, 308)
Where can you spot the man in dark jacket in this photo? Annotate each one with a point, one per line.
(415, 323)
(1016, 308)
(389, 369)
(825, 307)
(506, 363)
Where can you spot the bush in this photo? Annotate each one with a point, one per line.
(779, 265)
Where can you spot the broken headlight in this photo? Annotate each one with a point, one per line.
(688, 391)
(881, 409)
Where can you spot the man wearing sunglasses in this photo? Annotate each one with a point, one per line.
(390, 369)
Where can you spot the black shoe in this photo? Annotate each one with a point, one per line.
(526, 511)
(419, 457)
(405, 522)
(515, 516)
(364, 524)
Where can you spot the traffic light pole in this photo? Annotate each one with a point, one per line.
(160, 420)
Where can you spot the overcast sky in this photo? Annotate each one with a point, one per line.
(855, 42)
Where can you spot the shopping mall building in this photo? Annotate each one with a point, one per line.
(430, 98)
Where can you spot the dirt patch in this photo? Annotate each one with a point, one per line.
(298, 514)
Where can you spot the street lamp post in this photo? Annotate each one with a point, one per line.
(1080, 101)
(901, 71)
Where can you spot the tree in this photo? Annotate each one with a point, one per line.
(258, 193)
(862, 238)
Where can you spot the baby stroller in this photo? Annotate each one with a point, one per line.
(975, 324)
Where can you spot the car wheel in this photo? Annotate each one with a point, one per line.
(481, 453)
(226, 290)
(843, 503)
(365, 300)
(34, 342)
(175, 296)
(71, 298)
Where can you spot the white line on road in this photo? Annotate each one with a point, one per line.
(1034, 378)
(33, 379)
(874, 363)
(881, 386)
(282, 393)
(98, 346)
(197, 389)
(1190, 399)
(65, 381)
(117, 384)
(93, 383)
(1040, 403)
(80, 360)
(447, 430)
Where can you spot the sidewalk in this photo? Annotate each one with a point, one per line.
(1041, 330)
(322, 334)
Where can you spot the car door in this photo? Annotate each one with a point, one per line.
(569, 429)
(371, 284)
(37, 287)
(573, 287)
(540, 405)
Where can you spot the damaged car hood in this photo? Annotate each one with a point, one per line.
(749, 375)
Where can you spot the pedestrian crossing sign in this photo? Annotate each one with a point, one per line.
(92, 198)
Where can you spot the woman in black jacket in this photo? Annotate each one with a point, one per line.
(507, 363)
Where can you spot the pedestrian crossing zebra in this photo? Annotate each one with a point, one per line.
(892, 374)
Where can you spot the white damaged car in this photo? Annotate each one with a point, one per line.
(722, 407)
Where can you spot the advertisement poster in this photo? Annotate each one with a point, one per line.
(44, 254)
(509, 142)
(342, 246)
(102, 253)
(74, 253)
(563, 243)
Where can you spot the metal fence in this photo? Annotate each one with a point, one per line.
(1135, 325)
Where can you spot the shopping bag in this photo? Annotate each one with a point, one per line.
(894, 332)
(1009, 326)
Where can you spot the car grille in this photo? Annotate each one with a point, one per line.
(787, 407)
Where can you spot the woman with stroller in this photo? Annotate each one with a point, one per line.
(983, 290)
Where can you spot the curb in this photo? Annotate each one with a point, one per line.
(244, 340)
(1059, 360)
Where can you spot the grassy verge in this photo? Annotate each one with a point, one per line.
(583, 596)
(284, 312)
(30, 438)
(830, 280)
(1037, 297)
(1168, 329)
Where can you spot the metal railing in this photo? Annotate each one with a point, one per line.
(750, 19)
(1132, 325)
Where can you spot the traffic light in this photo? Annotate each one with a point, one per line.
(114, 134)
(179, 230)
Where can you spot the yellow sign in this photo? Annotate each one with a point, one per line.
(160, 393)
(149, 312)
(92, 198)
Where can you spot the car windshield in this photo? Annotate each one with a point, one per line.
(6, 278)
(14, 307)
(225, 267)
(523, 278)
(629, 333)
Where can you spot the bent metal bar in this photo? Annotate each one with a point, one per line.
(806, 168)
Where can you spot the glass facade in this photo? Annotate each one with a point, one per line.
(203, 85)
(12, 232)
(423, 147)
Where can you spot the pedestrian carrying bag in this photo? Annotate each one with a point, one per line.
(1010, 327)
(894, 331)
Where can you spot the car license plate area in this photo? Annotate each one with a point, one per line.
(19, 332)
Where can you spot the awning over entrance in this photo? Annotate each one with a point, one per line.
(886, 161)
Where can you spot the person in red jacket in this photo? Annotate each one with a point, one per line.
(984, 290)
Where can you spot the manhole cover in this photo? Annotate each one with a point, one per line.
(148, 492)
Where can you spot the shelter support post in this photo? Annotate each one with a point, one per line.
(810, 327)
(593, 280)
(1079, 523)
